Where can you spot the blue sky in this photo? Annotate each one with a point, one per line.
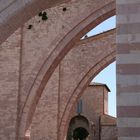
(104, 26)
(108, 75)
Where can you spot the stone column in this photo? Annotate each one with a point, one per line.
(128, 69)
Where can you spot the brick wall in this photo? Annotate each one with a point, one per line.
(128, 69)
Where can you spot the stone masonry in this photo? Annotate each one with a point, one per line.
(128, 69)
(34, 52)
(41, 47)
(93, 105)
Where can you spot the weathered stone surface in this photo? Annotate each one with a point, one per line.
(9, 86)
(128, 69)
(75, 67)
(51, 39)
(41, 47)
(109, 133)
(45, 121)
(14, 13)
(72, 69)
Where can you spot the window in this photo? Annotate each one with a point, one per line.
(79, 106)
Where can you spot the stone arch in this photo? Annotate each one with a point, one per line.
(80, 89)
(100, 64)
(59, 52)
(82, 123)
(85, 54)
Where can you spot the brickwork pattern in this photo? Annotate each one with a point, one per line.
(14, 13)
(68, 71)
(9, 85)
(128, 69)
(77, 70)
(109, 132)
(45, 65)
(40, 50)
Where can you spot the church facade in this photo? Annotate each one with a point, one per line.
(45, 66)
(89, 119)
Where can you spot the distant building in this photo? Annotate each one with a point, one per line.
(89, 119)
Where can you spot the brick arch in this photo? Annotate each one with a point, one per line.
(79, 90)
(72, 69)
(82, 122)
(96, 65)
(59, 52)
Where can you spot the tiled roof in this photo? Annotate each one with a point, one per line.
(99, 84)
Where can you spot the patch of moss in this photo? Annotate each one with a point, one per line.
(44, 16)
(40, 14)
(30, 26)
